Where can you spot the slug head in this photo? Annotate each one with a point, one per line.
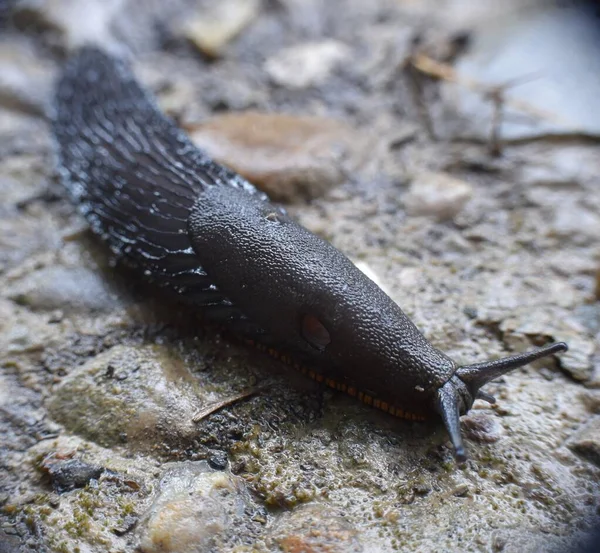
(314, 303)
(457, 395)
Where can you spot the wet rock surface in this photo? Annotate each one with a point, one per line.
(199, 510)
(126, 404)
(315, 528)
(308, 64)
(436, 194)
(587, 441)
(292, 158)
(211, 29)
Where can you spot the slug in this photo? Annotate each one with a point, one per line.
(201, 231)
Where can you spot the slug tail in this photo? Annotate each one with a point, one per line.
(477, 375)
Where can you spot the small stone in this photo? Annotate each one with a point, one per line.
(591, 399)
(308, 64)
(194, 508)
(67, 475)
(568, 263)
(151, 409)
(22, 235)
(78, 22)
(218, 460)
(481, 428)
(289, 157)
(586, 442)
(127, 524)
(437, 194)
(462, 490)
(211, 30)
(25, 82)
(66, 289)
(578, 360)
(315, 528)
(10, 543)
(575, 221)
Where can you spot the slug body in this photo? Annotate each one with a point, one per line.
(203, 232)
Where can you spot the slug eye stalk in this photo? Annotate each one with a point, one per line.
(457, 395)
(477, 375)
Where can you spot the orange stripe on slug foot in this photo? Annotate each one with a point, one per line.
(352, 392)
(320, 378)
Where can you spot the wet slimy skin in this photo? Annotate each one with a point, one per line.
(201, 231)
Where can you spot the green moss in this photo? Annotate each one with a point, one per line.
(90, 500)
(127, 507)
(61, 547)
(80, 525)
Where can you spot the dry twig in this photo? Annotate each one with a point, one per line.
(218, 405)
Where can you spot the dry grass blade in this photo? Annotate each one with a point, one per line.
(445, 72)
(218, 405)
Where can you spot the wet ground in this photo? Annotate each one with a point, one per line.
(127, 423)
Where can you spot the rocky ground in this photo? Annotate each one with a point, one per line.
(126, 423)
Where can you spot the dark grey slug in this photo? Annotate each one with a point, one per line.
(203, 232)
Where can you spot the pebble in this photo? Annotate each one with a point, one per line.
(315, 528)
(437, 194)
(68, 289)
(307, 64)
(575, 222)
(21, 331)
(212, 29)
(25, 81)
(67, 475)
(481, 428)
(77, 22)
(218, 460)
(150, 410)
(578, 360)
(24, 235)
(194, 510)
(290, 157)
(591, 399)
(461, 490)
(567, 263)
(586, 441)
